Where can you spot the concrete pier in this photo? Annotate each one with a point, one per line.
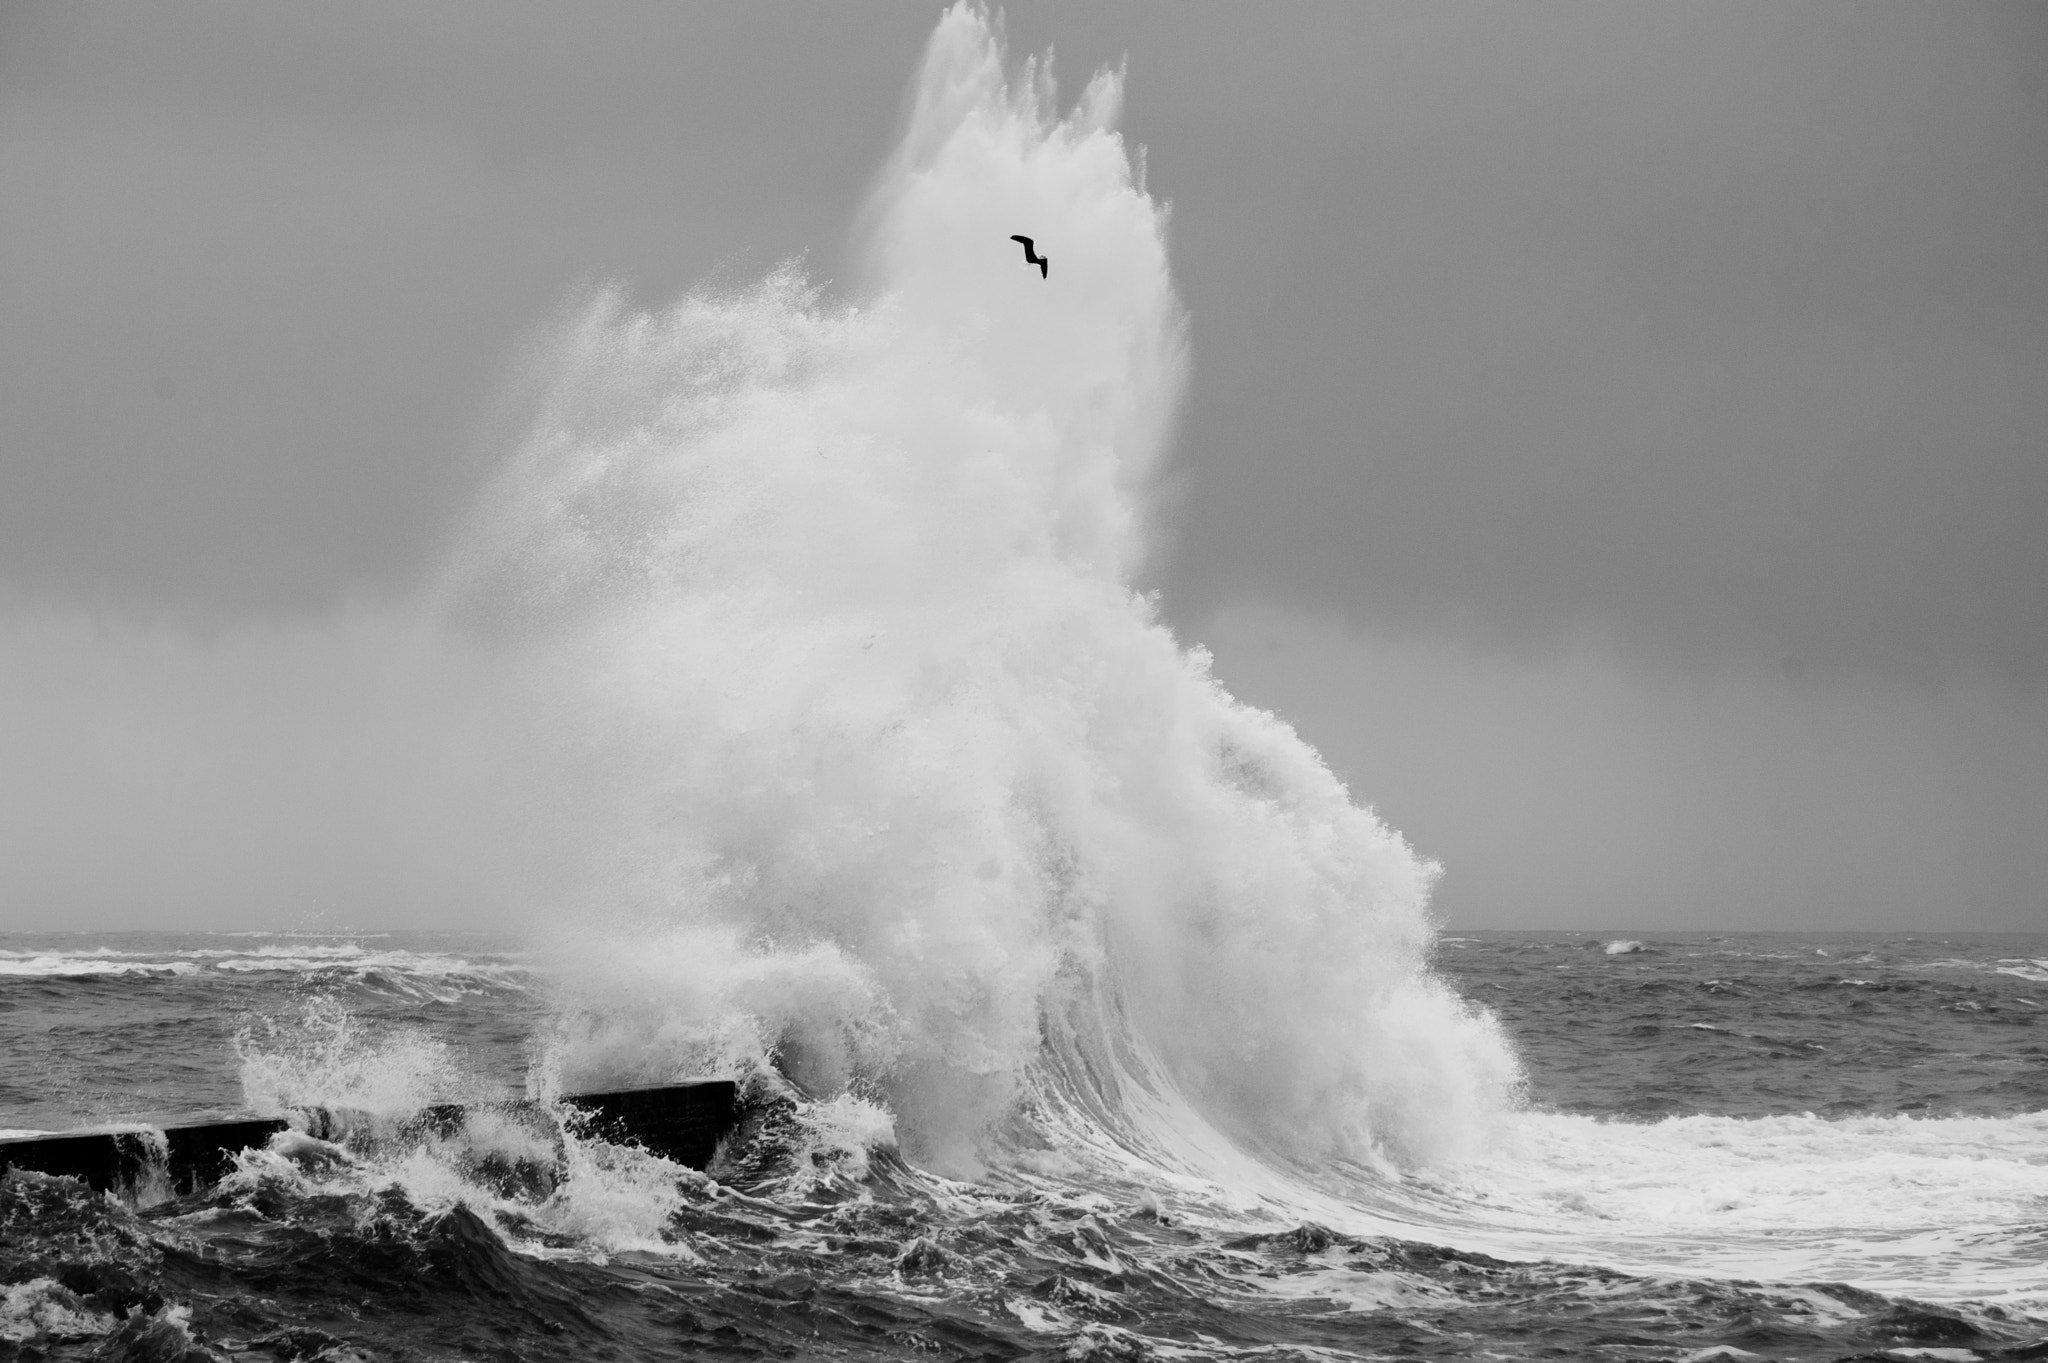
(680, 1122)
(174, 1160)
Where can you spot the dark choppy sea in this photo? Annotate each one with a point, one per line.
(1730, 1146)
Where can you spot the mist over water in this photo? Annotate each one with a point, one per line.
(878, 764)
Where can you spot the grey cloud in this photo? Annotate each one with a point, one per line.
(1715, 333)
(1579, 789)
(314, 772)
(267, 263)
(1719, 328)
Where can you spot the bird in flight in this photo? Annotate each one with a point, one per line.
(1031, 257)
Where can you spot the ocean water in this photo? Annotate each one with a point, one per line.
(1804, 1147)
(808, 705)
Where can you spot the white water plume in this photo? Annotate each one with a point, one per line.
(870, 756)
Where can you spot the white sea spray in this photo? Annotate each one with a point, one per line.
(871, 758)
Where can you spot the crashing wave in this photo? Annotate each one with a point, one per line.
(874, 761)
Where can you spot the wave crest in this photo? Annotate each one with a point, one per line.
(873, 759)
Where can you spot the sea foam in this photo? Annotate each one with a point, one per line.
(871, 758)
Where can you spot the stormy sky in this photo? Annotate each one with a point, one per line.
(1618, 435)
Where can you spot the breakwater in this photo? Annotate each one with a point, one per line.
(679, 1122)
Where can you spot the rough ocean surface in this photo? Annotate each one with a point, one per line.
(1805, 1100)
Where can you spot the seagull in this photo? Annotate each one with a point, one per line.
(1031, 257)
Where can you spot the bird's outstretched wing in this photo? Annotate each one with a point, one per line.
(1031, 256)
